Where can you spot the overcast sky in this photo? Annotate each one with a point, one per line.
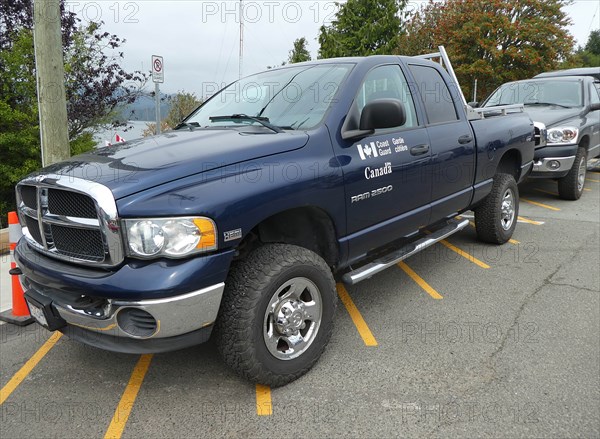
(199, 40)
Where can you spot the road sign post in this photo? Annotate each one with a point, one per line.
(158, 76)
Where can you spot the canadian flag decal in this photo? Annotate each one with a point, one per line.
(367, 151)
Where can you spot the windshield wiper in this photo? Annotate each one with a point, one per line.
(264, 121)
(546, 103)
(190, 125)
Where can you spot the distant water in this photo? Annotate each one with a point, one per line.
(133, 130)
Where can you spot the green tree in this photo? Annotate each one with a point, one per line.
(95, 84)
(494, 41)
(299, 53)
(361, 28)
(181, 105)
(588, 56)
(593, 42)
(19, 124)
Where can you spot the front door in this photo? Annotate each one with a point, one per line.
(387, 188)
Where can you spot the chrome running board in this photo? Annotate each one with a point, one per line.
(372, 268)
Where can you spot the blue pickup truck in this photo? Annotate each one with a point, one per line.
(238, 220)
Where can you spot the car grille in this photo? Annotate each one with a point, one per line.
(540, 134)
(67, 224)
(537, 136)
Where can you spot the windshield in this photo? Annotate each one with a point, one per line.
(550, 92)
(290, 98)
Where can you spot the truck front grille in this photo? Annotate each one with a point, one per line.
(69, 224)
(78, 243)
(540, 134)
(71, 204)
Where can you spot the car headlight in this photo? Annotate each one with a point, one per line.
(170, 237)
(562, 135)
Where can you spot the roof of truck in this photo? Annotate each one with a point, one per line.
(583, 71)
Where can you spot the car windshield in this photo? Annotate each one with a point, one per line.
(548, 92)
(288, 98)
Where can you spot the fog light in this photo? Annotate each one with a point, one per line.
(137, 322)
(553, 164)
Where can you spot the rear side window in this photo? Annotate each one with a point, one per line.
(595, 93)
(438, 101)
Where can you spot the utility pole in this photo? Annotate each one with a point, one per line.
(241, 63)
(50, 73)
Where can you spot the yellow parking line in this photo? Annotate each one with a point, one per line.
(419, 281)
(264, 407)
(592, 180)
(529, 221)
(119, 420)
(464, 254)
(535, 203)
(359, 322)
(545, 192)
(586, 189)
(28, 367)
(512, 241)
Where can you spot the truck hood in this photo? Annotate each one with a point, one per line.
(550, 115)
(144, 163)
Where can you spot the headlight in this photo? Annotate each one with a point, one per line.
(562, 135)
(170, 237)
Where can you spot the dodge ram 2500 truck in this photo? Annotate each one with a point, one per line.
(239, 218)
(566, 110)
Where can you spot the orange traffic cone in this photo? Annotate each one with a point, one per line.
(19, 314)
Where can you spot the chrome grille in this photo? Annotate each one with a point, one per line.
(79, 243)
(540, 134)
(71, 204)
(29, 196)
(71, 219)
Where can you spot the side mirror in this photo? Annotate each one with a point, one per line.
(595, 106)
(382, 113)
(473, 104)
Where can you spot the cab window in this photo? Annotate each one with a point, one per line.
(387, 82)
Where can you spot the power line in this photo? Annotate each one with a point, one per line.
(594, 16)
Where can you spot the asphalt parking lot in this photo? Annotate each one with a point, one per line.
(463, 340)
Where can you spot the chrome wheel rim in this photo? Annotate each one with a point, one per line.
(507, 216)
(292, 318)
(581, 175)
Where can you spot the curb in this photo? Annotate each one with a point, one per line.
(4, 244)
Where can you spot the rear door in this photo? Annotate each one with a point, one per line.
(387, 189)
(451, 139)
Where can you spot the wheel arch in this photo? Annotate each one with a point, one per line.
(510, 163)
(584, 142)
(309, 227)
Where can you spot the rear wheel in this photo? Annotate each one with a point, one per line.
(496, 216)
(570, 187)
(277, 313)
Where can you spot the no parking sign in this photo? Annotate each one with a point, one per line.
(158, 72)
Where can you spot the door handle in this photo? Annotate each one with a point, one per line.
(419, 149)
(465, 139)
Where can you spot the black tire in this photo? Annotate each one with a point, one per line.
(250, 289)
(570, 187)
(495, 220)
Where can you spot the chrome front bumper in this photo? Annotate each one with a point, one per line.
(174, 316)
(543, 165)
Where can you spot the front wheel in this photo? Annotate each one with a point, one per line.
(496, 216)
(570, 187)
(277, 313)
